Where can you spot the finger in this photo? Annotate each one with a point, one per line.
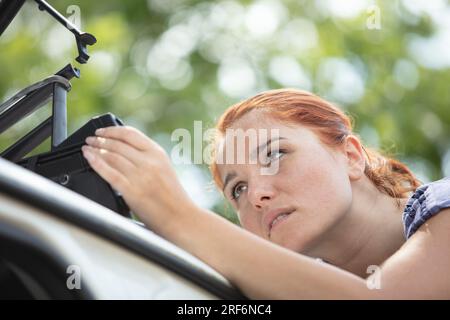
(116, 146)
(114, 160)
(110, 173)
(127, 134)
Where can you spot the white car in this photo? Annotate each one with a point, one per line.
(57, 244)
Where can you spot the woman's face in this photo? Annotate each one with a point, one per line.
(311, 183)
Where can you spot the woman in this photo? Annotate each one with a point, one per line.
(329, 198)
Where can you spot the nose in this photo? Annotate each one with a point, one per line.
(260, 195)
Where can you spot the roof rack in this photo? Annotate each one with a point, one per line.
(38, 94)
(64, 163)
(10, 8)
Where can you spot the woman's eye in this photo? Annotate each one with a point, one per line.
(275, 154)
(236, 191)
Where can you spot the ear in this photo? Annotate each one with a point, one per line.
(354, 153)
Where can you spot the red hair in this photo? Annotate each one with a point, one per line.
(331, 124)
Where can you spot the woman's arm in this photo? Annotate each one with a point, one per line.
(259, 268)
(421, 268)
(141, 171)
(263, 270)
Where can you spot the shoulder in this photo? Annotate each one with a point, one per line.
(419, 269)
(428, 200)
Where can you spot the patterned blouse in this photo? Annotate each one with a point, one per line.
(429, 199)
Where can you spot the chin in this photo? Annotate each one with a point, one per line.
(294, 242)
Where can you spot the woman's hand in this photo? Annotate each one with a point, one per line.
(141, 171)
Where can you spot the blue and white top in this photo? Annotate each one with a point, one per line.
(427, 200)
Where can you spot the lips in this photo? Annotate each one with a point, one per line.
(271, 216)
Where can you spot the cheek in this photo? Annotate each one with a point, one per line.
(250, 223)
(323, 198)
(320, 185)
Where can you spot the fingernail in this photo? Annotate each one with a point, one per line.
(88, 154)
(89, 140)
(99, 131)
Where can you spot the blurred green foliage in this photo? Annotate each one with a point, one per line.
(161, 64)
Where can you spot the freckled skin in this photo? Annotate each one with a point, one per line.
(311, 177)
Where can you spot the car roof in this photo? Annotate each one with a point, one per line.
(57, 200)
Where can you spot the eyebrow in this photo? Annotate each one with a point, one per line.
(266, 144)
(228, 178)
(258, 149)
